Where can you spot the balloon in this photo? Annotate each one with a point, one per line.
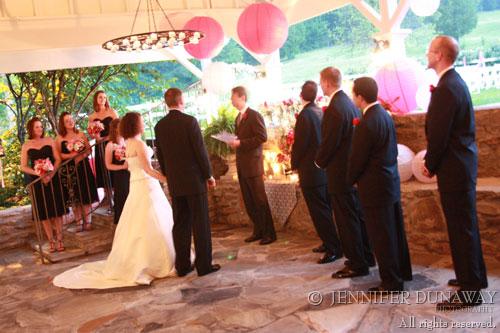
(416, 166)
(405, 158)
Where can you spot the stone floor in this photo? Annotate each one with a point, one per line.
(261, 288)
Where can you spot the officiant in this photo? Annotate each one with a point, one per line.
(251, 133)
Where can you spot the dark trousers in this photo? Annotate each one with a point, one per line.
(386, 232)
(318, 203)
(191, 215)
(463, 231)
(257, 206)
(352, 230)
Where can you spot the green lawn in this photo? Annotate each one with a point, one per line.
(356, 61)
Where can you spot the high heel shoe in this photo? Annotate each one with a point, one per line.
(60, 246)
(52, 247)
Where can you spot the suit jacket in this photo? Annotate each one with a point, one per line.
(182, 155)
(336, 139)
(373, 163)
(305, 146)
(451, 135)
(251, 131)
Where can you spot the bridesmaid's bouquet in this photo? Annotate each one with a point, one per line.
(76, 145)
(95, 128)
(43, 166)
(119, 152)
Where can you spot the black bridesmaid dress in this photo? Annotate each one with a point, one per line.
(101, 172)
(48, 198)
(78, 182)
(121, 180)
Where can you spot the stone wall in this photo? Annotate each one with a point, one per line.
(411, 132)
(16, 227)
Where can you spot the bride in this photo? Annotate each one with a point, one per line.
(143, 247)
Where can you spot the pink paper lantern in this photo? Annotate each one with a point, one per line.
(398, 82)
(213, 42)
(262, 28)
(416, 166)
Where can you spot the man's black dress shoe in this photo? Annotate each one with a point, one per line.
(252, 238)
(328, 258)
(461, 299)
(382, 290)
(319, 249)
(346, 272)
(214, 268)
(266, 240)
(453, 283)
(181, 274)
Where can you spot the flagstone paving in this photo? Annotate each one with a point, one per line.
(259, 288)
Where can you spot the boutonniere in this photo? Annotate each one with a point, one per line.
(324, 108)
(356, 121)
(432, 88)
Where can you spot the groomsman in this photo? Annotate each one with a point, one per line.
(251, 133)
(333, 154)
(312, 179)
(374, 167)
(452, 156)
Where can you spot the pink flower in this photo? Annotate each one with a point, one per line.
(356, 121)
(324, 108)
(432, 88)
(95, 127)
(119, 152)
(42, 166)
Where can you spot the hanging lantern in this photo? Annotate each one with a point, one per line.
(424, 7)
(416, 166)
(405, 158)
(262, 28)
(398, 82)
(213, 42)
(218, 78)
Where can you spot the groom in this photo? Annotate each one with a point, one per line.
(184, 160)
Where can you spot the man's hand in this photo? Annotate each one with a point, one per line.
(234, 144)
(211, 182)
(426, 172)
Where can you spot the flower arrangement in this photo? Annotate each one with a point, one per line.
(95, 128)
(43, 166)
(285, 146)
(119, 152)
(76, 145)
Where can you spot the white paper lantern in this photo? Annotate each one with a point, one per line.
(405, 158)
(417, 164)
(218, 78)
(424, 7)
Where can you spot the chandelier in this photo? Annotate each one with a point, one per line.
(153, 39)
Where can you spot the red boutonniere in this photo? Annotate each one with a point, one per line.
(432, 88)
(296, 115)
(324, 108)
(356, 121)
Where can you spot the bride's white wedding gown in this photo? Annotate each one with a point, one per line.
(143, 247)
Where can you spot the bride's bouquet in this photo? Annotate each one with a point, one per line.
(95, 128)
(43, 166)
(76, 145)
(119, 152)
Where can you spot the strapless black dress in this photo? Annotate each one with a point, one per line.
(121, 179)
(102, 175)
(48, 201)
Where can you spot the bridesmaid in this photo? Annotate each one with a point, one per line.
(104, 114)
(118, 166)
(80, 179)
(48, 202)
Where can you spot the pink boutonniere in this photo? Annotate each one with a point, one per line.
(432, 88)
(324, 108)
(356, 121)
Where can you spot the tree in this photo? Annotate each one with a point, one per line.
(456, 17)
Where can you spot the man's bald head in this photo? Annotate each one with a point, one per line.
(448, 46)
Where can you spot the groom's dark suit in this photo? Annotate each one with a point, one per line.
(452, 156)
(184, 161)
(374, 167)
(312, 179)
(251, 131)
(333, 155)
